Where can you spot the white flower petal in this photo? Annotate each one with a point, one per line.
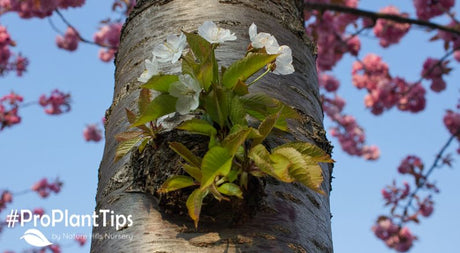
(171, 49)
(177, 89)
(184, 104)
(252, 31)
(151, 69)
(213, 34)
(284, 61)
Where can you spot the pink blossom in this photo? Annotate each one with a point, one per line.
(433, 70)
(92, 133)
(411, 97)
(452, 122)
(9, 106)
(393, 194)
(426, 207)
(20, 65)
(370, 153)
(399, 239)
(42, 9)
(328, 82)
(108, 36)
(39, 211)
(328, 31)
(69, 41)
(410, 165)
(44, 188)
(81, 240)
(427, 9)
(389, 31)
(384, 228)
(55, 248)
(57, 103)
(5, 198)
(64, 4)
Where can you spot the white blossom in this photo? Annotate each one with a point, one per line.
(187, 91)
(151, 69)
(171, 49)
(261, 40)
(284, 61)
(210, 32)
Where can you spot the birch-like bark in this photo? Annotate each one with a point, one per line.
(290, 218)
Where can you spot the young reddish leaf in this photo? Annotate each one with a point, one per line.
(131, 116)
(194, 203)
(144, 100)
(213, 190)
(241, 88)
(242, 69)
(124, 147)
(161, 105)
(175, 183)
(125, 136)
(231, 189)
(217, 161)
(161, 82)
(185, 153)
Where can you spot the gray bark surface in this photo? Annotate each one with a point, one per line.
(291, 217)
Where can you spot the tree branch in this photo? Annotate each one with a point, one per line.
(425, 177)
(375, 16)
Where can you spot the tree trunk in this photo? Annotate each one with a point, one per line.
(286, 217)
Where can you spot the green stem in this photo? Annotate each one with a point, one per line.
(259, 77)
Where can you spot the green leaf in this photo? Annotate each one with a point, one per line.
(189, 66)
(237, 112)
(233, 141)
(192, 171)
(143, 144)
(312, 177)
(161, 82)
(231, 189)
(217, 104)
(233, 175)
(185, 153)
(261, 106)
(281, 166)
(125, 136)
(309, 149)
(161, 105)
(194, 203)
(217, 161)
(124, 147)
(265, 128)
(198, 126)
(303, 168)
(200, 47)
(207, 73)
(144, 100)
(246, 67)
(261, 158)
(175, 183)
